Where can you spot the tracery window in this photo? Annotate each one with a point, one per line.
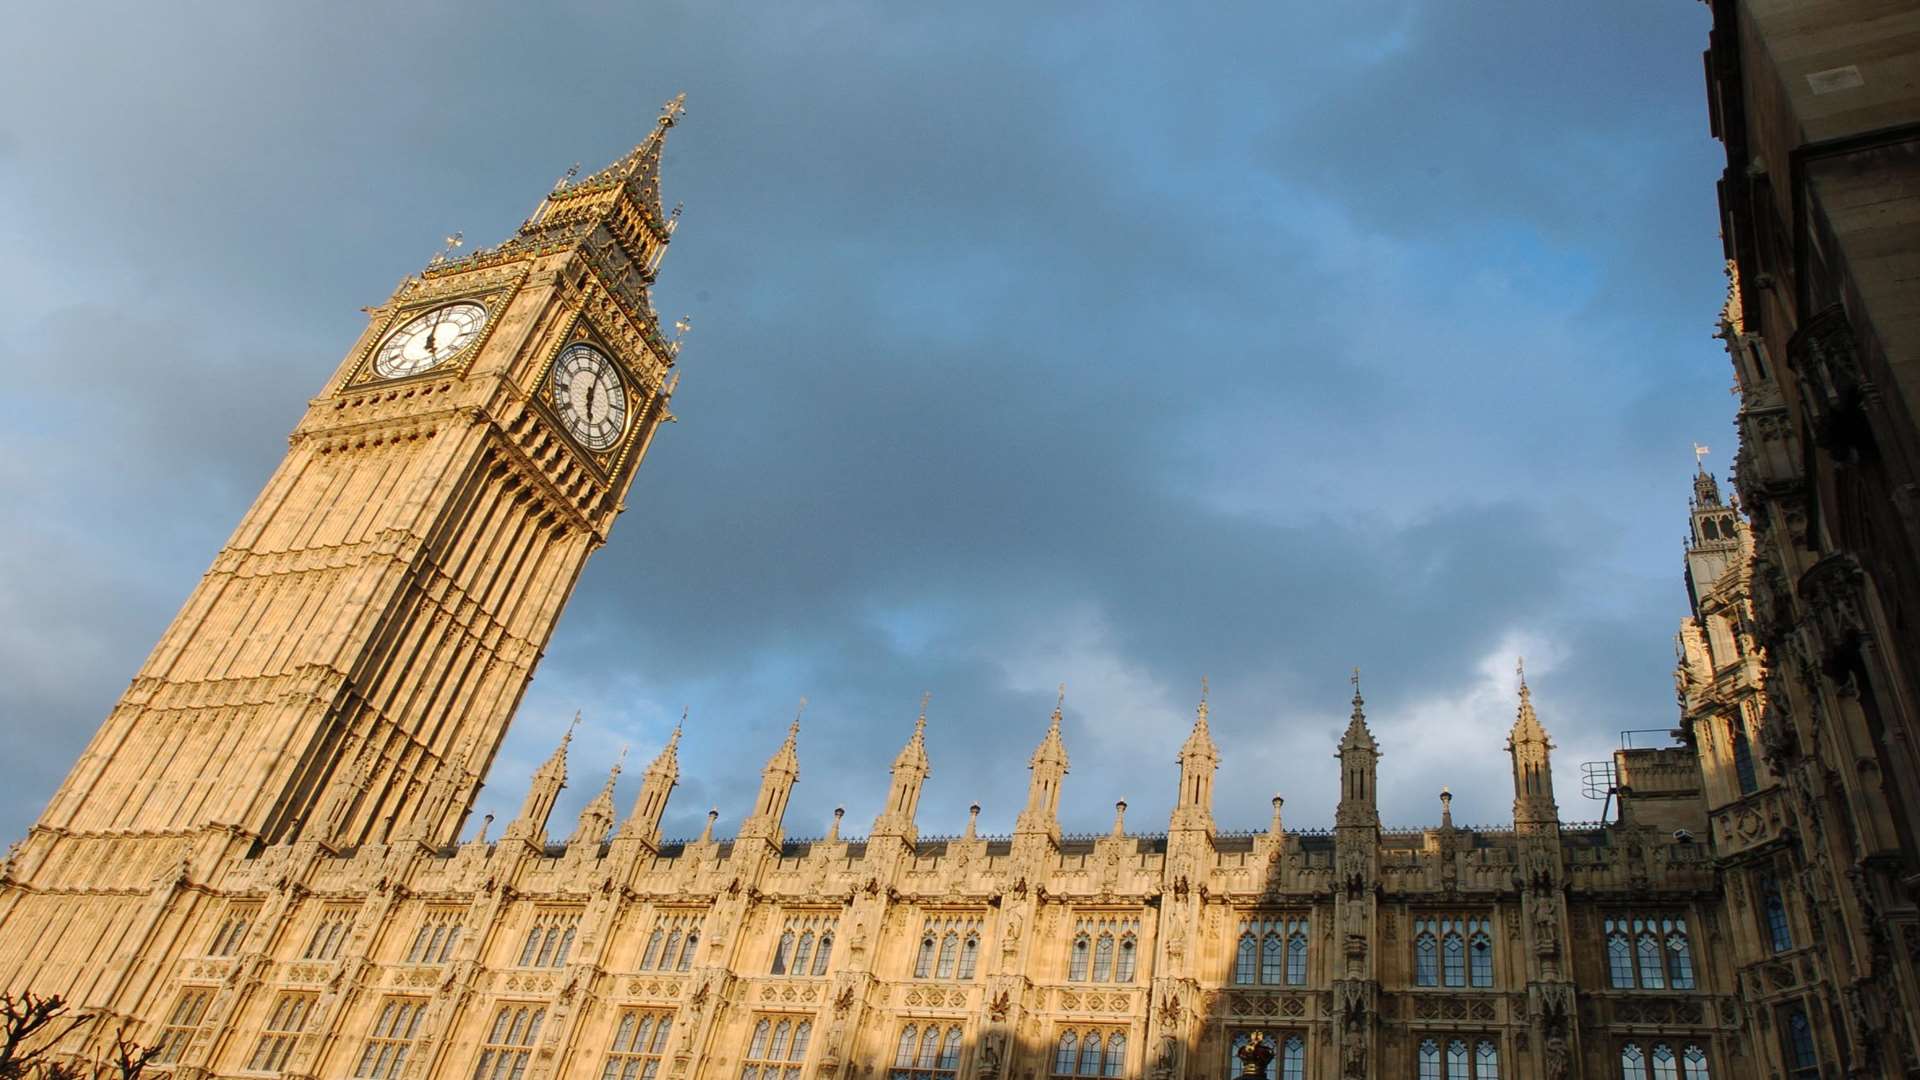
(778, 1049)
(1289, 1054)
(325, 942)
(283, 1027)
(433, 942)
(1648, 952)
(639, 1044)
(1774, 909)
(550, 939)
(804, 945)
(1742, 755)
(1271, 952)
(394, 1030)
(1090, 1052)
(1803, 1056)
(1458, 1057)
(188, 1010)
(1441, 946)
(1661, 1062)
(927, 1050)
(1103, 948)
(509, 1042)
(233, 930)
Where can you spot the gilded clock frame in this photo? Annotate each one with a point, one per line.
(495, 300)
(607, 463)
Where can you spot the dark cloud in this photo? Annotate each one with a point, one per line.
(1113, 346)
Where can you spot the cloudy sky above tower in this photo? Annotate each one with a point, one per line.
(1105, 344)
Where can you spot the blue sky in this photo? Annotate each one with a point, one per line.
(1111, 345)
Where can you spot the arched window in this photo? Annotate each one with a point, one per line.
(1742, 756)
(803, 953)
(779, 1048)
(1426, 968)
(1090, 1056)
(566, 947)
(1272, 957)
(923, 963)
(1297, 959)
(1430, 1060)
(1480, 959)
(1245, 959)
(969, 957)
(1293, 1059)
(1695, 1061)
(686, 953)
(1619, 960)
(532, 948)
(672, 948)
(930, 1047)
(950, 1051)
(1064, 1056)
(1453, 951)
(903, 1055)
(1123, 972)
(547, 944)
(1116, 1056)
(782, 952)
(1652, 972)
(758, 1047)
(820, 957)
(1103, 959)
(1633, 1064)
(949, 955)
(1077, 962)
(1486, 1061)
(1664, 1065)
(1457, 1066)
(652, 955)
(1802, 1057)
(1679, 960)
(1776, 911)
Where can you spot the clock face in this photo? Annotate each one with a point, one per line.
(589, 396)
(429, 340)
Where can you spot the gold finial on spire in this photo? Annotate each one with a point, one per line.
(794, 728)
(575, 724)
(920, 725)
(671, 112)
(1060, 702)
(683, 721)
(1520, 669)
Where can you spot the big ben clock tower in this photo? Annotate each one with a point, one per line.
(345, 671)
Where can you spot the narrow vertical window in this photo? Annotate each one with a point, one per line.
(1063, 1057)
(1695, 1061)
(820, 957)
(1297, 959)
(1124, 971)
(803, 953)
(1486, 1061)
(1457, 1065)
(652, 955)
(1272, 957)
(949, 955)
(1775, 909)
(782, 952)
(923, 963)
(1090, 1055)
(1679, 959)
(1426, 964)
(1454, 955)
(1480, 959)
(1077, 963)
(1430, 1060)
(1245, 960)
(1652, 973)
(686, 952)
(1802, 1057)
(1633, 1064)
(1665, 1067)
(1619, 958)
(1742, 756)
(1103, 959)
(1293, 1059)
(1116, 1056)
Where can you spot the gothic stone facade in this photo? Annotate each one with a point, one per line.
(252, 866)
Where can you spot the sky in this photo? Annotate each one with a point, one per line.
(1113, 345)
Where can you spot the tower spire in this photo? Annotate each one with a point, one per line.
(1198, 760)
(643, 823)
(1359, 767)
(597, 817)
(531, 823)
(1048, 766)
(1532, 754)
(776, 785)
(910, 771)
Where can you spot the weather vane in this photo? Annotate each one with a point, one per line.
(1699, 457)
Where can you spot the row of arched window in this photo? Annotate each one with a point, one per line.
(1457, 1059)
(803, 952)
(672, 944)
(1271, 952)
(549, 940)
(777, 1050)
(1661, 1063)
(1450, 951)
(1102, 959)
(1092, 1052)
(1648, 953)
(1289, 1059)
(930, 1054)
(949, 957)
